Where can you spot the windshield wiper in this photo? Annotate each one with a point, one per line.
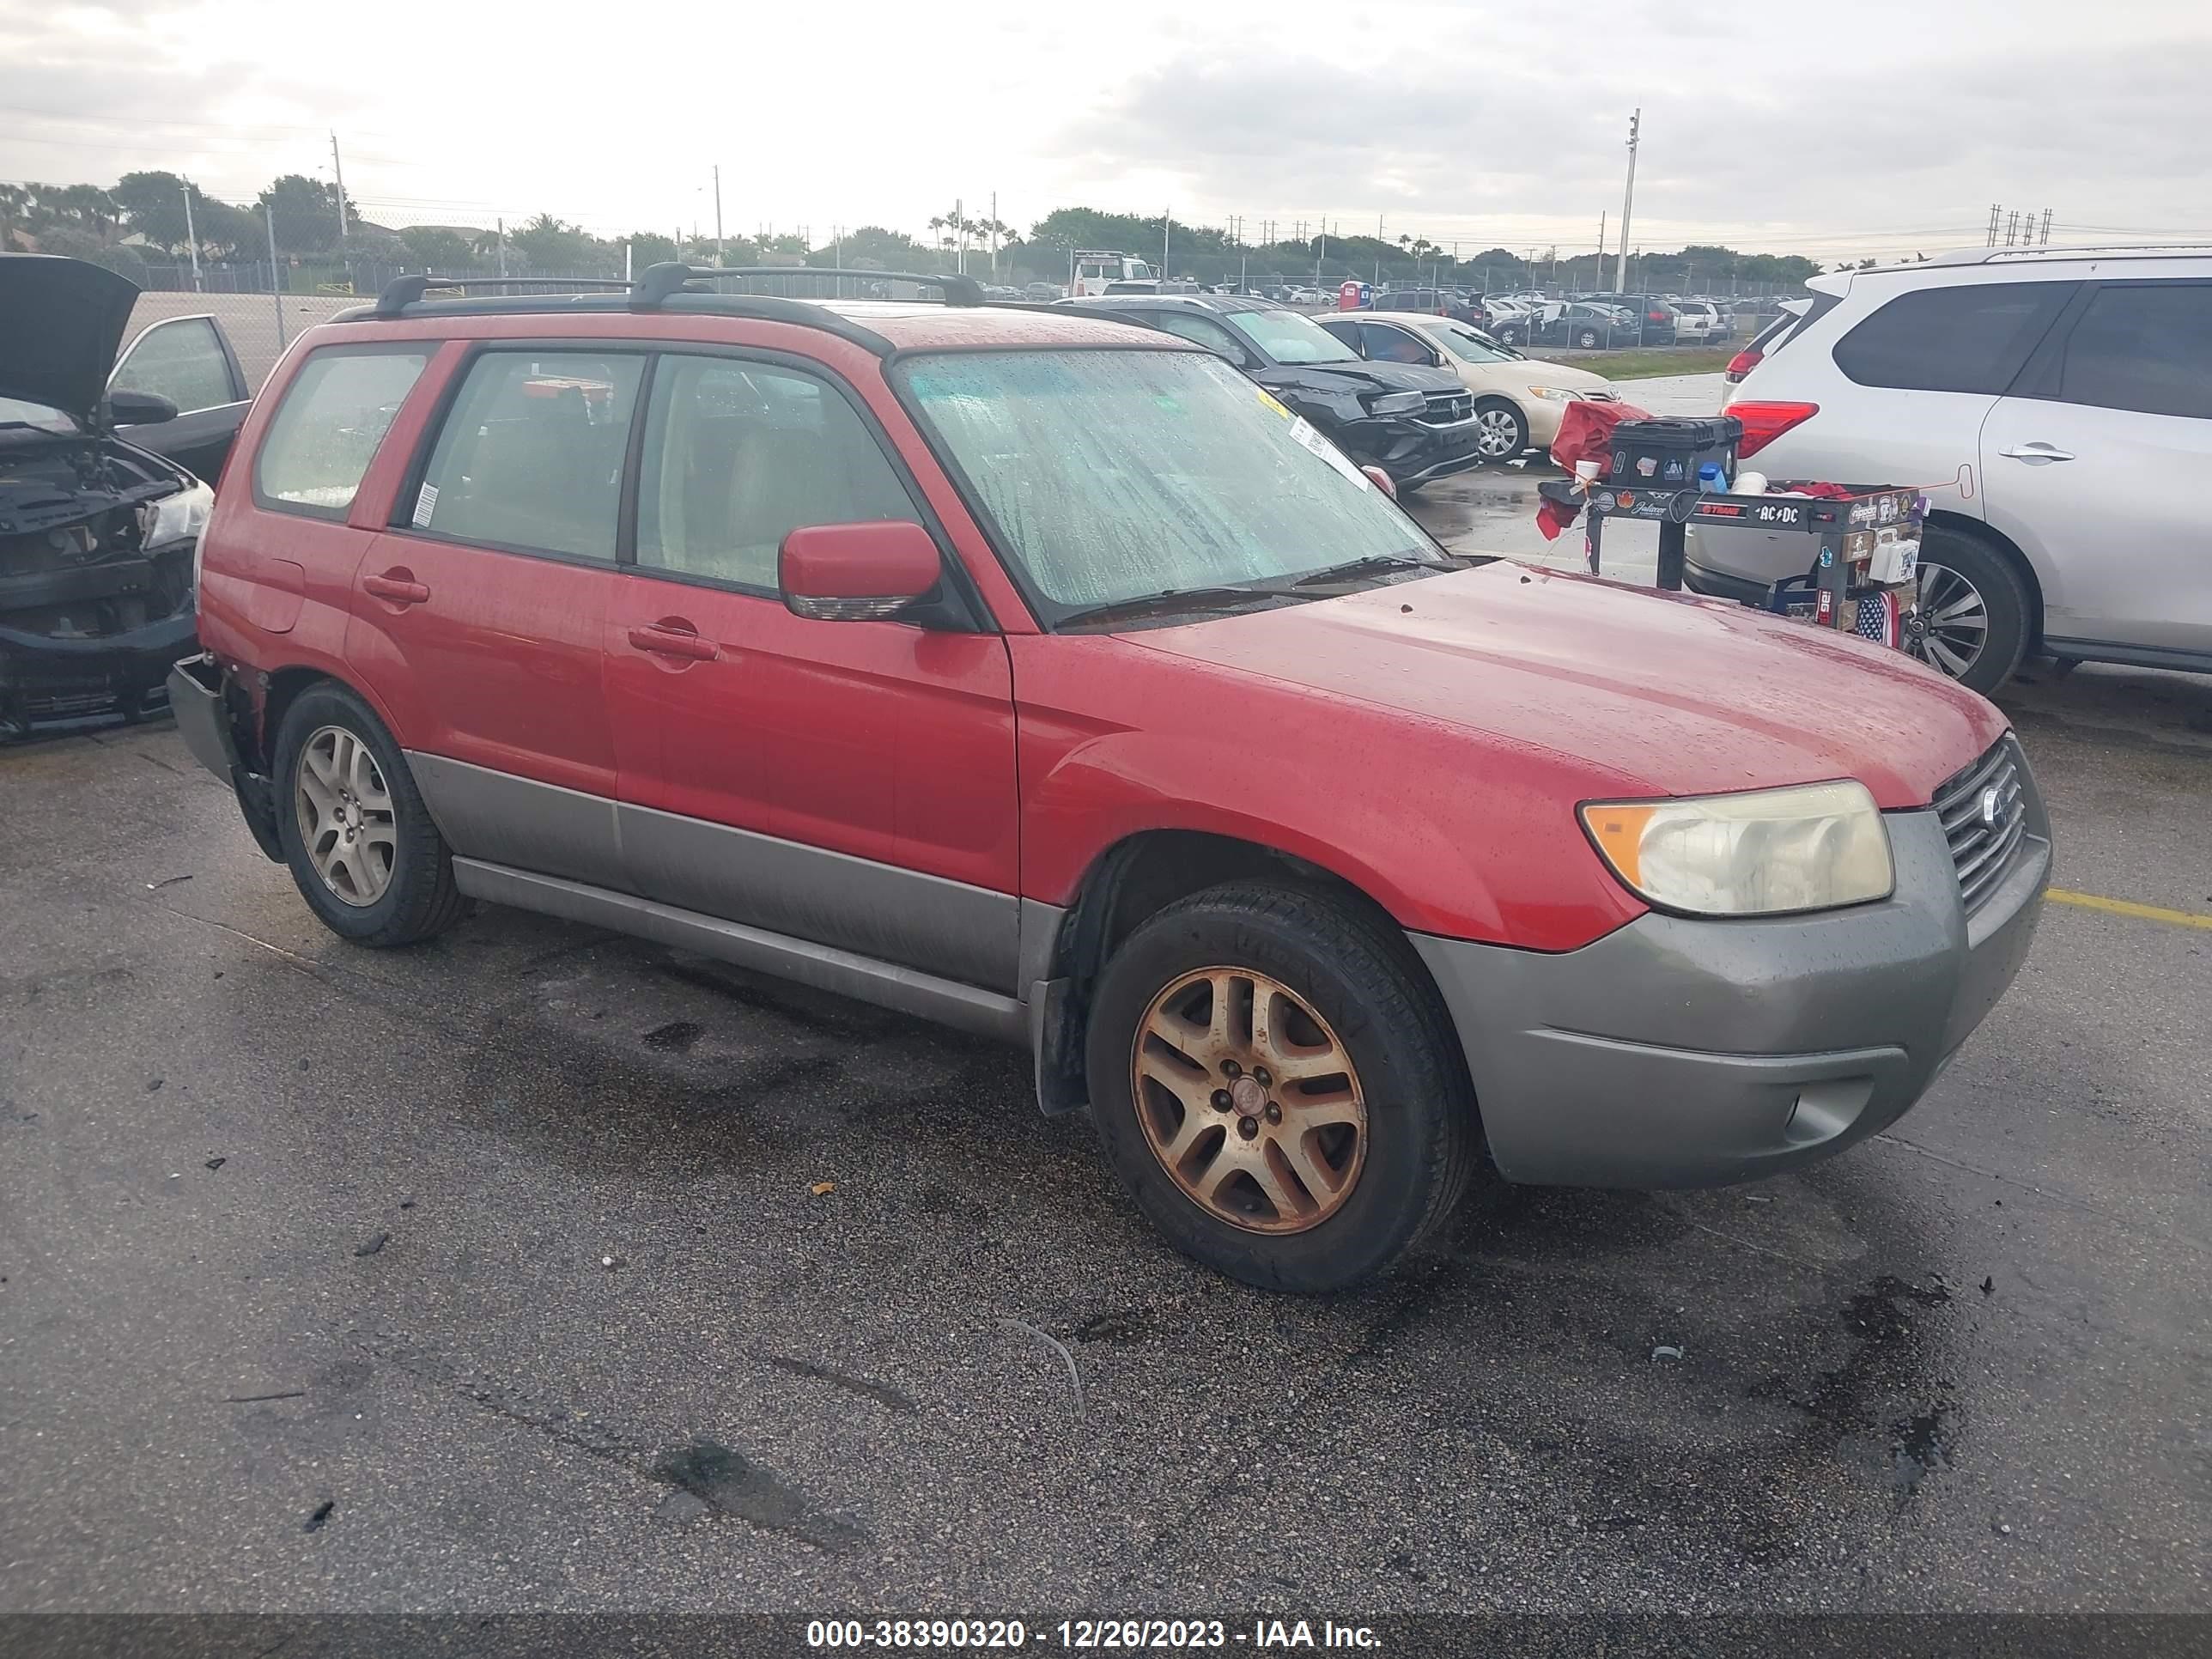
(1373, 565)
(1189, 599)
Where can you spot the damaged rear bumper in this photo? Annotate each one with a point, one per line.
(195, 690)
(49, 685)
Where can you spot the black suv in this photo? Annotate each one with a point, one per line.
(100, 510)
(1417, 424)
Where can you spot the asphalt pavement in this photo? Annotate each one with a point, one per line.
(539, 1268)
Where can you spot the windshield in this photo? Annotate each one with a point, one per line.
(1118, 475)
(39, 417)
(1292, 336)
(1464, 342)
(1137, 268)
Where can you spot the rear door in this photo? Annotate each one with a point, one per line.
(2090, 467)
(848, 783)
(478, 613)
(188, 361)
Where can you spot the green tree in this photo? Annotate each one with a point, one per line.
(305, 212)
(554, 247)
(647, 249)
(438, 248)
(153, 205)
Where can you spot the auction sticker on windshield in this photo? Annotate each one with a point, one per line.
(1308, 434)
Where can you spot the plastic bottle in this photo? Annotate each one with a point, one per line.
(1710, 482)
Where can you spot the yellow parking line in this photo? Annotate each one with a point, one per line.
(2128, 908)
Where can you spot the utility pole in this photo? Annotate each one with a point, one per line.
(1995, 208)
(2046, 227)
(191, 240)
(994, 235)
(276, 287)
(2012, 228)
(1599, 275)
(959, 237)
(1628, 204)
(1321, 251)
(501, 226)
(717, 213)
(338, 172)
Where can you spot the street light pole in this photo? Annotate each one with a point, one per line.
(1627, 203)
(718, 213)
(191, 240)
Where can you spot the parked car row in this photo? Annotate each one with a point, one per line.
(1035, 671)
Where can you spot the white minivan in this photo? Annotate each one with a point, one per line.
(2056, 404)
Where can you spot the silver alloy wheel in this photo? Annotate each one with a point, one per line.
(345, 816)
(1949, 627)
(1497, 435)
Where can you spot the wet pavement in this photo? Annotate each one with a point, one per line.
(539, 1267)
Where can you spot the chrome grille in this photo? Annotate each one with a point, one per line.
(1448, 407)
(1982, 851)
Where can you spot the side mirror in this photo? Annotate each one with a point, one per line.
(855, 572)
(138, 408)
(1382, 480)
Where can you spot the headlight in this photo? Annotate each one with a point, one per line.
(177, 518)
(1810, 847)
(1397, 403)
(1553, 394)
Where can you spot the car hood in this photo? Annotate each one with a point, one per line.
(61, 321)
(1652, 693)
(1566, 376)
(1380, 377)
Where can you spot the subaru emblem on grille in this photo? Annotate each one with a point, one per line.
(1990, 801)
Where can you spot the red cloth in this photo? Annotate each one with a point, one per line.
(1585, 434)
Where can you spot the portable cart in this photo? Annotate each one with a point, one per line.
(1865, 542)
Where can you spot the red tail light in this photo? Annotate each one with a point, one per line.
(1658, 316)
(1742, 363)
(1764, 422)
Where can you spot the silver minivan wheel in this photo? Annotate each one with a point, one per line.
(1950, 628)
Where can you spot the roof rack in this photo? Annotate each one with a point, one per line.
(958, 290)
(402, 292)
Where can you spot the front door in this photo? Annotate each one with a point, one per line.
(478, 615)
(2092, 478)
(848, 783)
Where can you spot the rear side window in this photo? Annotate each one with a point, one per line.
(1967, 338)
(531, 458)
(324, 435)
(738, 455)
(2146, 348)
(183, 361)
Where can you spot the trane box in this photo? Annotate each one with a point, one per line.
(1666, 454)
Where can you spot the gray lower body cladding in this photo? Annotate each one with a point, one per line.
(1678, 1052)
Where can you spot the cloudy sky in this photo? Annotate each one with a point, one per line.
(1840, 130)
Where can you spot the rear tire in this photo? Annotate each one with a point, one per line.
(1356, 1146)
(399, 888)
(1973, 620)
(1587, 339)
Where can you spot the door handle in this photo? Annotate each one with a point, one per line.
(398, 586)
(2036, 455)
(668, 639)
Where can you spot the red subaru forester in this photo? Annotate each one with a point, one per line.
(1041, 675)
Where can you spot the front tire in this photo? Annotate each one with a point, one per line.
(1501, 432)
(1349, 1130)
(362, 847)
(1972, 621)
(1587, 339)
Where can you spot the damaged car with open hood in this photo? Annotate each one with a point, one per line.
(98, 531)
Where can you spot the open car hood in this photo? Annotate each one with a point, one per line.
(61, 321)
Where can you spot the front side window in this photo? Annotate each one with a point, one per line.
(1968, 336)
(2146, 348)
(1115, 475)
(738, 455)
(324, 435)
(1386, 344)
(530, 457)
(1292, 336)
(183, 361)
